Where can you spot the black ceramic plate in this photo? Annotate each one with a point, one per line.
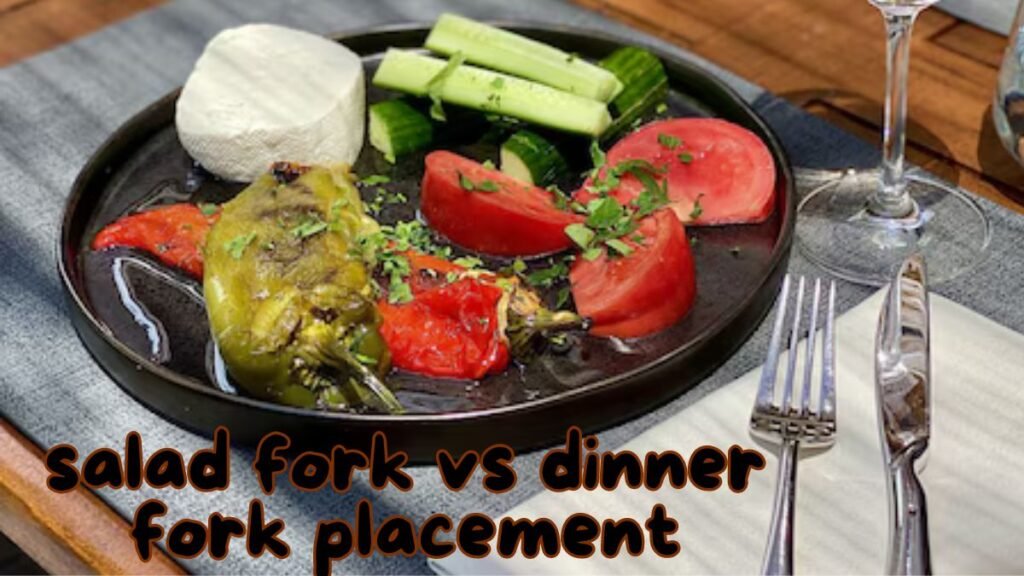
(146, 325)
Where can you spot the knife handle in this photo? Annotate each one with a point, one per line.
(909, 551)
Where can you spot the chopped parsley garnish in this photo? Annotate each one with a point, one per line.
(482, 186)
(374, 180)
(597, 156)
(562, 299)
(207, 208)
(661, 108)
(518, 266)
(384, 197)
(603, 212)
(610, 181)
(697, 208)
(669, 141)
(365, 360)
(608, 223)
(383, 250)
(237, 245)
(487, 186)
(436, 85)
(619, 246)
(468, 262)
(310, 225)
(488, 164)
(546, 277)
(686, 157)
(561, 199)
(580, 234)
(396, 268)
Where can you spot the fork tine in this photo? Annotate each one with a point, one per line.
(766, 389)
(794, 337)
(827, 402)
(812, 329)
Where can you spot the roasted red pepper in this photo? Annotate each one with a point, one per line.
(449, 329)
(175, 234)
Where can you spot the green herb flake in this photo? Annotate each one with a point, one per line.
(365, 360)
(237, 245)
(592, 254)
(562, 299)
(685, 157)
(208, 209)
(697, 208)
(597, 156)
(619, 246)
(399, 293)
(465, 182)
(498, 83)
(468, 262)
(580, 234)
(374, 180)
(487, 186)
(560, 198)
(603, 212)
(436, 86)
(669, 141)
(546, 277)
(518, 266)
(661, 108)
(488, 164)
(309, 226)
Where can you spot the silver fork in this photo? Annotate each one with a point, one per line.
(792, 426)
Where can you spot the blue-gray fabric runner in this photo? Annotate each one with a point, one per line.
(56, 108)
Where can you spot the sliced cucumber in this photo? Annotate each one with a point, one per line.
(509, 52)
(530, 158)
(646, 85)
(396, 129)
(492, 92)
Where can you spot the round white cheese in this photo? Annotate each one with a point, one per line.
(262, 93)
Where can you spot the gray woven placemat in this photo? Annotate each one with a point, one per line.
(56, 108)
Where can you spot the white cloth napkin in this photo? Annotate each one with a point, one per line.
(972, 477)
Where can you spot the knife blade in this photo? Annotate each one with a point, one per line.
(903, 386)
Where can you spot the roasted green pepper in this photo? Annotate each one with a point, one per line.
(288, 294)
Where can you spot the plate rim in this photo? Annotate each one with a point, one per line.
(67, 258)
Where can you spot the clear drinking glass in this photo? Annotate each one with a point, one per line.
(861, 224)
(1008, 108)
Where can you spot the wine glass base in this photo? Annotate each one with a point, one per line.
(836, 231)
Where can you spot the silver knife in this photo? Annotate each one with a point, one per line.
(903, 384)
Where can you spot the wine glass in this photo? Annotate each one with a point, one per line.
(861, 224)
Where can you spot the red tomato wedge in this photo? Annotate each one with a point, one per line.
(721, 166)
(175, 234)
(448, 330)
(642, 293)
(501, 216)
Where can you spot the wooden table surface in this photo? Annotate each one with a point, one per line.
(827, 57)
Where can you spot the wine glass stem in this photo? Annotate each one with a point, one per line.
(892, 199)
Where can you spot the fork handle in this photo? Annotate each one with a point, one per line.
(909, 551)
(778, 554)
